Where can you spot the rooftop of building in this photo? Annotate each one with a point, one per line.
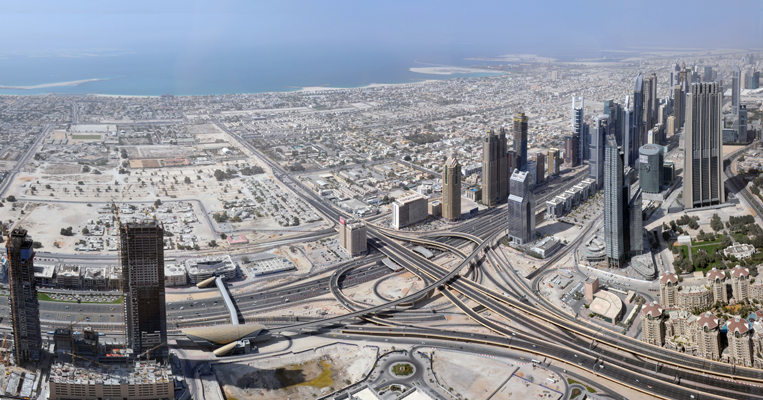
(652, 310)
(606, 304)
(715, 274)
(172, 269)
(708, 320)
(738, 324)
(137, 373)
(669, 277)
(739, 271)
(649, 150)
(409, 198)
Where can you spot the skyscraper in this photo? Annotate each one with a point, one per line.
(596, 163)
(623, 224)
(142, 260)
(703, 161)
(553, 161)
(708, 76)
(520, 139)
(521, 208)
(540, 168)
(678, 105)
(735, 88)
(638, 120)
(571, 151)
(742, 125)
(627, 130)
(648, 107)
(613, 204)
(579, 130)
(25, 307)
(495, 168)
(615, 114)
(451, 190)
(353, 236)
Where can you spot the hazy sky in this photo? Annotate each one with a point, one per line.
(489, 27)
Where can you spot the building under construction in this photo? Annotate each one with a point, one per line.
(141, 380)
(25, 307)
(142, 262)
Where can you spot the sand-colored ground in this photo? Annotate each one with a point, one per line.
(400, 286)
(303, 375)
(471, 376)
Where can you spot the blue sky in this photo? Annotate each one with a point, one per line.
(491, 27)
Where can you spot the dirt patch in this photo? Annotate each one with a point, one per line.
(301, 376)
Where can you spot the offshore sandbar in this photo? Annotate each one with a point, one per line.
(54, 84)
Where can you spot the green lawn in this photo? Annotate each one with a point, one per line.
(86, 137)
(46, 297)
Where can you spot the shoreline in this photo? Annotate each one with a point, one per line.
(443, 71)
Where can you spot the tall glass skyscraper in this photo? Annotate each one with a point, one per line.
(638, 120)
(521, 208)
(596, 163)
(579, 128)
(520, 139)
(495, 168)
(613, 203)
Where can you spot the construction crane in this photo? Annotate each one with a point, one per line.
(86, 359)
(147, 353)
(118, 225)
(71, 335)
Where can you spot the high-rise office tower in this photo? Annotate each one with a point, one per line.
(683, 74)
(25, 307)
(495, 168)
(678, 104)
(638, 118)
(703, 161)
(553, 161)
(353, 236)
(521, 208)
(613, 204)
(627, 129)
(512, 161)
(634, 231)
(615, 114)
(648, 108)
(735, 88)
(742, 135)
(142, 259)
(623, 225)
(520, 139)
(708, 76)
(650, 168)
(579, 128)
(540, 168)
(451, 190)
(596, 163)
(571, 151)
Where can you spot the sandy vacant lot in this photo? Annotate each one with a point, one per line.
(297, 376)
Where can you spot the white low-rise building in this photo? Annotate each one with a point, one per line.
(174, 275)
(201, 268)
(739, 251)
